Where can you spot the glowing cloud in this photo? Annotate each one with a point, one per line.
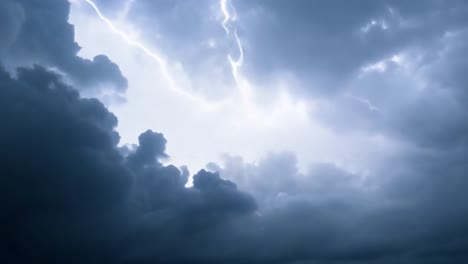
(243, 85)
(153, 55)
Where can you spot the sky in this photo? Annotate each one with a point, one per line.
(234, 131)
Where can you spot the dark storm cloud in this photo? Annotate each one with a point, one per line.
(325, 43)
(61, 175)
(422, 103)
(71, 196)
(411, 211)
(11, 18)
(38, 32)
(448, 69)
(420, 100)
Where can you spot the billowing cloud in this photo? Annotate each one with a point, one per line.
(401, 213)
(71, 196)
(71, 193)
(39, 32)
(327, 42)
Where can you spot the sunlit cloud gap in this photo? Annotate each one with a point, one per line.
(153, 55)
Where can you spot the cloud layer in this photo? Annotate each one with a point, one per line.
(71, 194)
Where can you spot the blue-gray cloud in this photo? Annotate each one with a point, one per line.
(71, 194)
(327, 42)
(39, 32)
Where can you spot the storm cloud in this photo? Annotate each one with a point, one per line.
(71, 192)
(70, 195)
(38, 32)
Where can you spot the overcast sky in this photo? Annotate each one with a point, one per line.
(234, 131)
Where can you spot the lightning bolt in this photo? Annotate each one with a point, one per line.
(242, 84)
(227, 15)
(366, 102)
(151, 54)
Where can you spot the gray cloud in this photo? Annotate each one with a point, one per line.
(11, 18)
(39, 32)
(421, 103)
(399, 214)
(70, 194)
(325, 43)
(73, 197)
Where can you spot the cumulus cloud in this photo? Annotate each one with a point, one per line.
(71, 196)
(401, 213)
(39, 32)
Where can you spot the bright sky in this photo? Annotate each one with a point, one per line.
(242, 121)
